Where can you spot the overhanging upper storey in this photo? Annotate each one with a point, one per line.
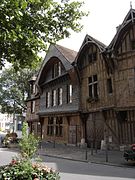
(58, 61)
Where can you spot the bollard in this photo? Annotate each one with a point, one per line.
(106, 152)
(95, 146)
(54, 144)
(86, 152)
(92, 148)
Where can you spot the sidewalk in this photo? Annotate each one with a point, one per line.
(114, 158)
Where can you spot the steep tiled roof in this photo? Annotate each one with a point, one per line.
(67, 53)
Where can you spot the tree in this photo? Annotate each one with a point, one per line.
(29, 26)
(28, 144)
(14, 89)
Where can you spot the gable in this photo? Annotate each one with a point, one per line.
(55, 54)
(122, 29)
(89, 51)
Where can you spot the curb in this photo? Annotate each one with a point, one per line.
(112, 164)
(61, 157)
(87, 161)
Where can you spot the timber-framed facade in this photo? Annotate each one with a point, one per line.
(90, 95)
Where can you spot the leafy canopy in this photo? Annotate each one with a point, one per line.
(14, 89)
(28, 26)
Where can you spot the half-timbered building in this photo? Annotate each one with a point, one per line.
(59, 97)
(32, 116)
(93, 75)
(88, 95)
(120, 57)
(107, 83)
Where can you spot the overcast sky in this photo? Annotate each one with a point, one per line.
(104, 17)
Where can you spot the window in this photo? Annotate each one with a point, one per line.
(92, 54)
(69, 93)
(54, 98)
(50, 127)
(56, 70)
(34, 88)
(59, 68)
(109, 86)
(93, 86)
(54, 127)
(32, 106)
(47, 99)
(92, 57)
(59, 123)
(19, 126)
(60, 91)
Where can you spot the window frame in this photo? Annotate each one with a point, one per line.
(55, 126)
(54, 94)
(109, 86)
(48, 99)
(93, 86)
(60, 96)
(33, 104)
(56, 69)
(69, 93)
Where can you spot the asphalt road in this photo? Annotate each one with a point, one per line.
(89, 171)
(76, 170)
(6, 156)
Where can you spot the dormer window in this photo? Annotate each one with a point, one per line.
(56, 70)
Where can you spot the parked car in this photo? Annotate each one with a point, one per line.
(130, 154)
(10, 138)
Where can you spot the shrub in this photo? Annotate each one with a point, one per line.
(22, 167)
(26, 170)
(28, 144)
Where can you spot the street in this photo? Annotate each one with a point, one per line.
(78, 170)
(89, 171)
(6, 156)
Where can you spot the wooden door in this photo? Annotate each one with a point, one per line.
(72, 134)
(94, 132)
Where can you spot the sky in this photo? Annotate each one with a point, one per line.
(104, 17)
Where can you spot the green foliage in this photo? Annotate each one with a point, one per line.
(28, 26)
(22, 168)
(14, 89)
(25, 170)
(28, 143)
